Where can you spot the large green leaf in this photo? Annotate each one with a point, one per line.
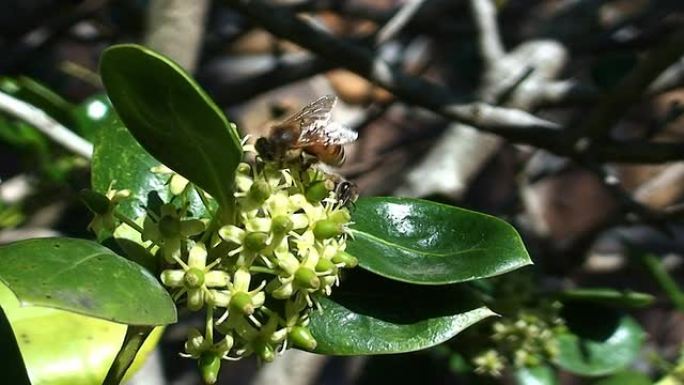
(608, 297)
(119, 160)
(599, 341)
(628, 377)
(173, 118)
(65, 348)
(537, 375)
(86, 278)
(424, 242)
(12, 367)
(368, 314)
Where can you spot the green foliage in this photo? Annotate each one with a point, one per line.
(86, 278)
(536, 375)
(599, 341)
(64, 348)
(12, 365)
(173, 118)
(120, 162)
(608, 297)
(423, 242)
(213, 246)
(372, 315)
(628, 377)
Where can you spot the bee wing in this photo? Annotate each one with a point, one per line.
(317, 127)
(336, 133)
(315, 114)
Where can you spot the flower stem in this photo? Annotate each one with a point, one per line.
(262, 269)
(128, 221)
(664, 279)
(135, 336)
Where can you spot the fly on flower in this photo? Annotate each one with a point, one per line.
(310, 130)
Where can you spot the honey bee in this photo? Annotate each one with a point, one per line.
(310, 130)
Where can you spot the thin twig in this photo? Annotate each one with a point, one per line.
(488, 37)
(45, 124)
(398, 21)
(612, 106)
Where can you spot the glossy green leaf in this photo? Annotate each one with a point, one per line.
(423, 242)
(628, 377)
(119, 161)
(368, 314)
(173, 118)
(537, 375)
(65, 348)
(608, 297)
(12, 368)
(86, 278)
(599, 341)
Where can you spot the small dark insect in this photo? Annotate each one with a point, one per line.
(310, 130)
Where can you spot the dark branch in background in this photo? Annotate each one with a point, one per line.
(24, 48)
(400, 19)
(612, 106)
(410, 89)
(235, 91)
(514, 125)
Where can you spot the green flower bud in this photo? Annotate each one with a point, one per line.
(259, 192)
(301, 337)
(169, 226)
(242, 303)
(194, 278)
(317, 191)
(243, 168)
(327, 228)
(265, 351)
(281, 225)
(324, 266)
(209, 365)
(255, 241)
(340, 216)
(96, 202)
(307, 278)
(346, 258)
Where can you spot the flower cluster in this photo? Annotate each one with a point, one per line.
(258, 274)
(526, 340)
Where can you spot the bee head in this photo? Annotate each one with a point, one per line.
(265, 149)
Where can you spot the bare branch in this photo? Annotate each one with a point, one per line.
(488, 37)
(175, 28)
(632, 87)
(45, 124)
(561, 92)
(358, 59)
(398, 21)
(234, 91)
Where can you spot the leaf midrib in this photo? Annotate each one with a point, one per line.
(427, 253)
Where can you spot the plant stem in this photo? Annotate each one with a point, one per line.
(129, 222)
(262, 269)
(664, 279)
(135, 336)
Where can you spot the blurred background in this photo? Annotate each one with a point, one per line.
(563, 117)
